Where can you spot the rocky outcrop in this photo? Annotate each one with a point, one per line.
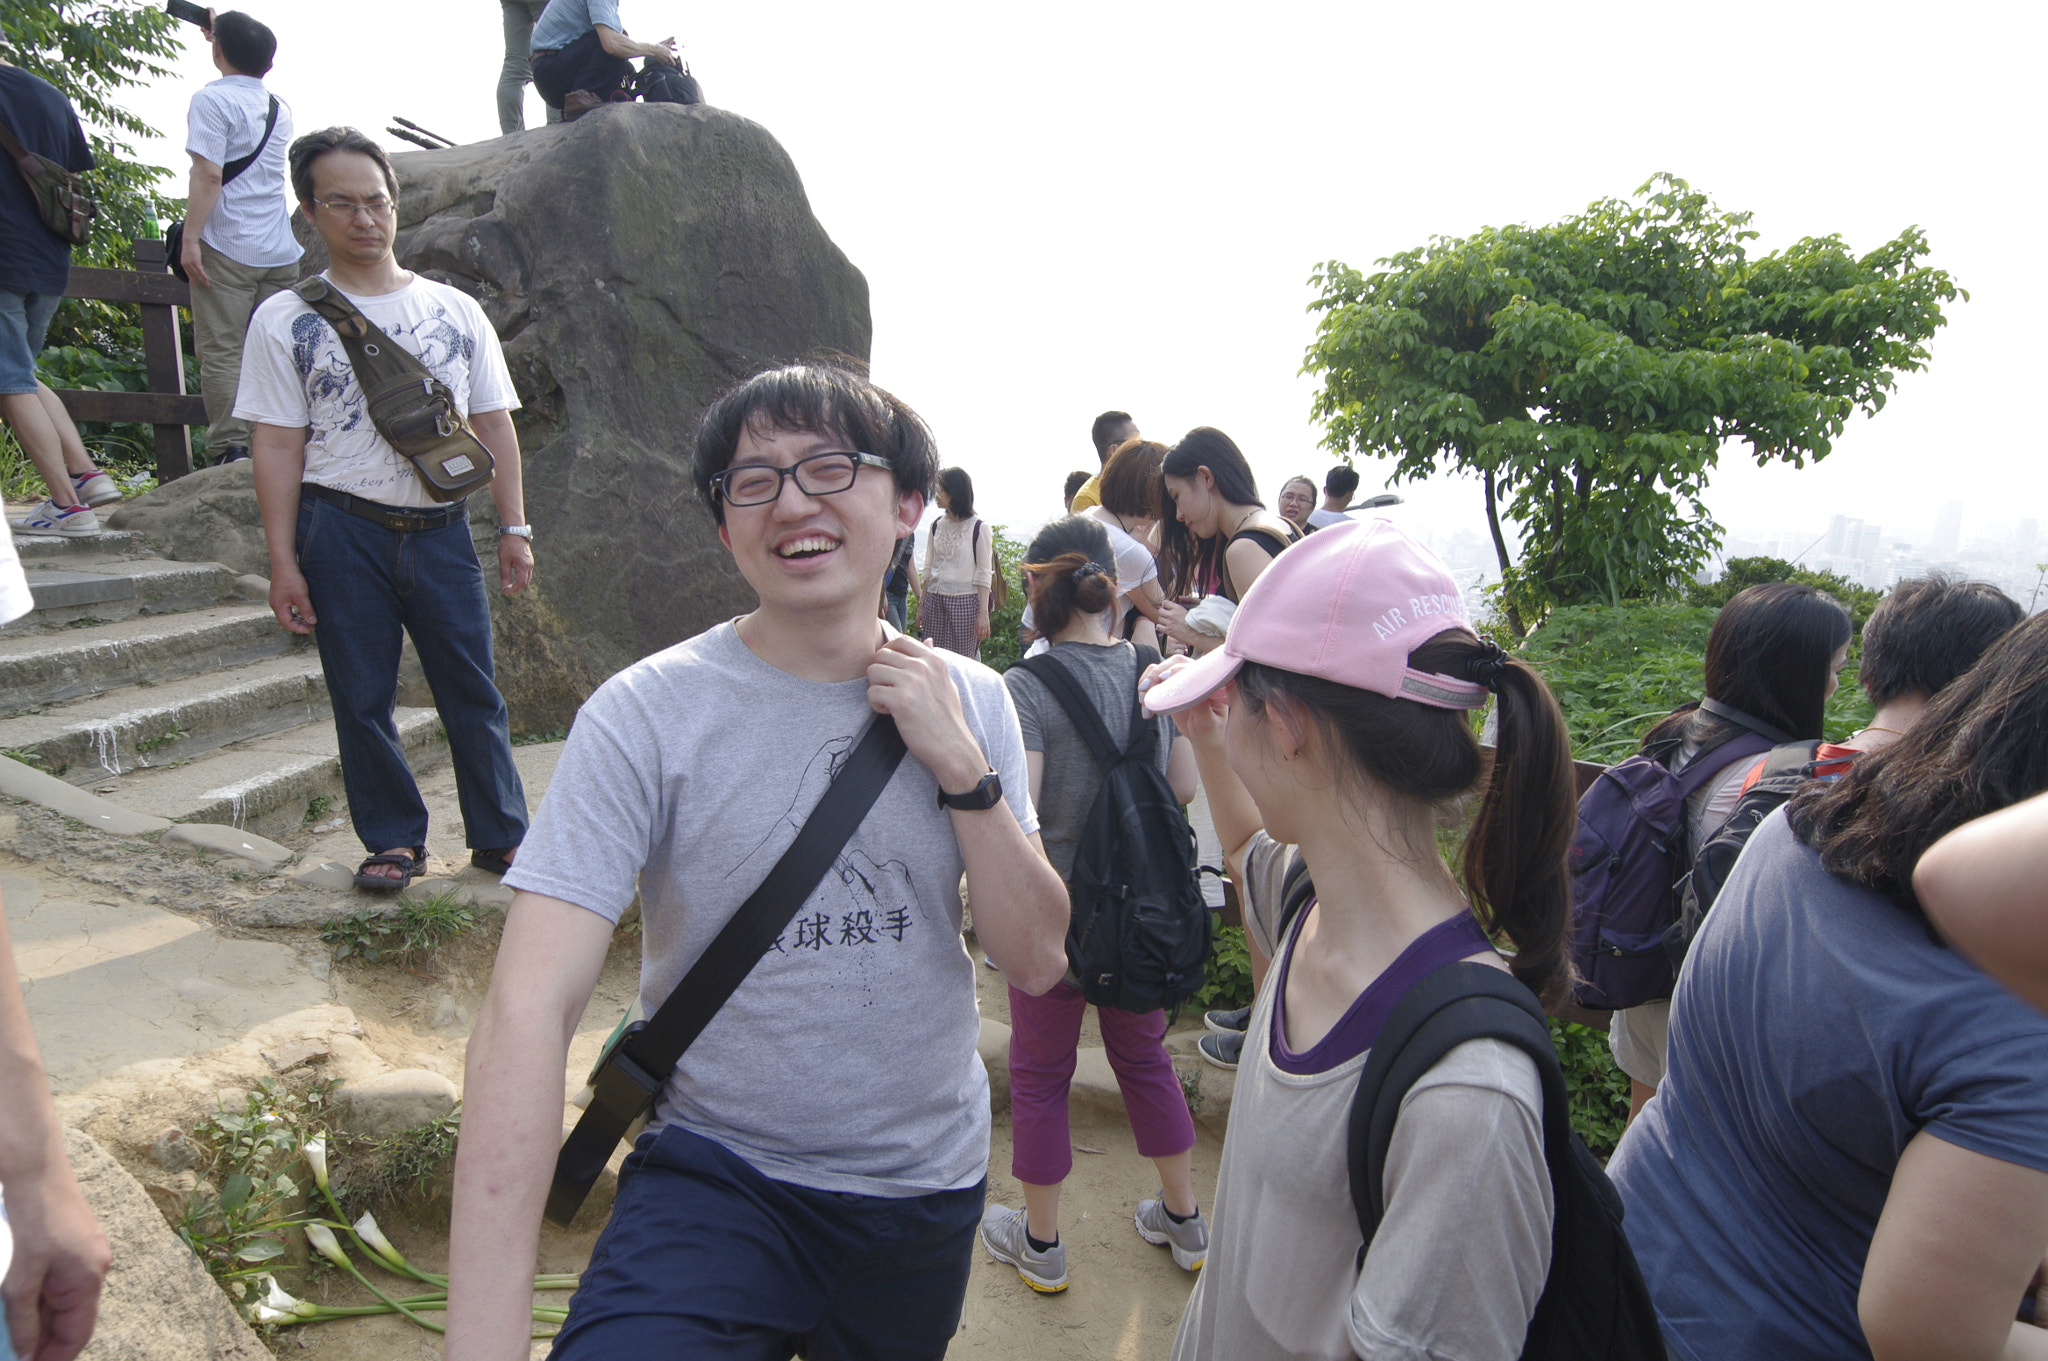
(634, 262)
(208, 515)
(159, 1304)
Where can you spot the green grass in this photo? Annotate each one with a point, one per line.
(414, 931)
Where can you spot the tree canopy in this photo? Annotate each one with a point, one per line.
(1590, 372)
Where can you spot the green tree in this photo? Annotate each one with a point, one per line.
(1589, 372)
(92, 52)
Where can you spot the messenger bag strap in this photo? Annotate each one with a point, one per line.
(376, 357)
(13, 144)
(241, 163)
(634, 1073)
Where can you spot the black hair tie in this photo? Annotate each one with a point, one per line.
(1488, 665)
(1090, 569)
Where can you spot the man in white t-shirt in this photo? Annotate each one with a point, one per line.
(1338, 489)
(238, 247)
(358, 551)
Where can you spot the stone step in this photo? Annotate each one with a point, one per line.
(106, 544)
(39, 669)
(267, 784)
(88, 740)
(102, 590)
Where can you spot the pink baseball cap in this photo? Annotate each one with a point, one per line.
(1348, 603)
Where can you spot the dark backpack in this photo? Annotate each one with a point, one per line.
(1138, 938)
(660, 83)
(1627, 857)
(1788, 767)
(1594, 1303)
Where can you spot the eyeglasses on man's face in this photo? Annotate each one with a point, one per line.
(756, 484)
(345, 209)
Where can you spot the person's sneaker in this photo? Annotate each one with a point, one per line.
(1189, 1239)
(95, 488)
(1228, 1022)
(1222, 1050)
(49, 518)
(234, 453)
(1002, 1233)
(579, 102)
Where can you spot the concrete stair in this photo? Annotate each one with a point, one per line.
(155, 684)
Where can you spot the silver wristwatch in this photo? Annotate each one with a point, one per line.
(517, 531)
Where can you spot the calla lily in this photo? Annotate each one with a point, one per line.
(327, 1245)
(278, 1299)
(264, 1314)
(373, 1238)
(315, 1151)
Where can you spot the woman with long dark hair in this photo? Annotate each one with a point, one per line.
(1073, 586)
(959, 567)
(1217, 536)
(1336, 719)
(1849, 1156)
(1773, 658)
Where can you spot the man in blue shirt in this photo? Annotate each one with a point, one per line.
(581, 54)
(35, 269)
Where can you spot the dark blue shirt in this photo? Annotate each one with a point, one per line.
(1816, 1029)
(34, 259)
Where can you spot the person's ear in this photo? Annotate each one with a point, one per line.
(725, 536)
(909, 511)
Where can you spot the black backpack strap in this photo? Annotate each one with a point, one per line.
(1297, 890)
(1455, 1004)
(1079, 707)
(241, 163)
(1734, 715)
(633, 1074)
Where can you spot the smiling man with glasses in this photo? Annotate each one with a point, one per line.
(817, 1164)
(360, 553)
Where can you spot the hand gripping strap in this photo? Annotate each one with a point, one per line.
(633, 1074)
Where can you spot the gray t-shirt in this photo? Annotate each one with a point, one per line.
(1460, 1258)
(846, 1061)
(1066, 790)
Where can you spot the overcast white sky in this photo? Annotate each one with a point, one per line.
(1066, 207)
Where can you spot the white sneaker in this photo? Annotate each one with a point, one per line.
(96, 488)
(75, 522)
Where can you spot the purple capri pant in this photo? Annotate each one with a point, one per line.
(1045, 1034)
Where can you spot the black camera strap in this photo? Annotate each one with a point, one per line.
(631, 1077)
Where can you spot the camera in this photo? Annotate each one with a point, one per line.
(190, 13)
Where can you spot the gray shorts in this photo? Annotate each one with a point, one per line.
(1637, 1036)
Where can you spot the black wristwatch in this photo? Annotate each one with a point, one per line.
(987, 794)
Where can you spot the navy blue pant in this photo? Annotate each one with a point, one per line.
(582, 65)
(370, 586)
(705, 1257)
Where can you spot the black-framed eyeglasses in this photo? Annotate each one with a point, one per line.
(756, 484)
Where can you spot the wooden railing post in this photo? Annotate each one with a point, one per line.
(163, 357)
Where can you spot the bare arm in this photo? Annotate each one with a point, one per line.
(277, 459)
(548, 963)
(515, 555)
(1246, 562)
(202, 196)
(52, 1287)
(1181, 774)
(1986, 886)
(1020, 905)
(1959, 1240)
(1148, 598)
(617, 44)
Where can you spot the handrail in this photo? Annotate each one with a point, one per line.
(165, 405)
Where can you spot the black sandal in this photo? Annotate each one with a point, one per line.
(492, 862)
(408, 866)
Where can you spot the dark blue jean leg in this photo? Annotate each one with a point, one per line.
(898, 1296)
(449, 617)
(348, 563)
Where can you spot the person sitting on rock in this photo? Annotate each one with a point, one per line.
(581, 56)
(815, 1171)
(360, 554)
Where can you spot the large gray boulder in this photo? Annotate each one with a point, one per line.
(159, 1304)
(209, 515)
(635, 263)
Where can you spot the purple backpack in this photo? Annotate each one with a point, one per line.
(1627, 857)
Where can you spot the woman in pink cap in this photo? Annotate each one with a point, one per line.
(1335, 718)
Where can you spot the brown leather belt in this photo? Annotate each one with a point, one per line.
(402, 519)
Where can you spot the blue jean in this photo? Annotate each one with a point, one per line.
(705, 1257)
(24, 325)
(897, 609)
(368, 585)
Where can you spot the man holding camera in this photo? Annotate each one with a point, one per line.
(581, 55)
(238, 247)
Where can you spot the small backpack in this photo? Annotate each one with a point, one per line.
(1627, 856)
(1594, 1303)
(61, 201)
(1788, 767)
(1138, 938)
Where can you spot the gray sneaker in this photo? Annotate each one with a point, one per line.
(1223, 1051)
(1002, 1233)
(1189, 1239)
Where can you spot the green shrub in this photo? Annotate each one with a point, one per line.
(1229, 981)
(1598, 1089)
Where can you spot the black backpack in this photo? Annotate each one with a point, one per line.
(1787, 767)
(1594, 1303)
(1138, 938)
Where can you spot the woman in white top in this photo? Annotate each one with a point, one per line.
(959, 567)
(1336, 717)
(1129, 510)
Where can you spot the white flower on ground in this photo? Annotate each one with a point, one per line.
(327, 1245)
(367, 1230)
(316, 1158)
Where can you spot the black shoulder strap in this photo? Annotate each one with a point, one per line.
(1296, 889)
(1079, 707)
(1741, 719)
(241, 163)
(637, 1068)
(1457, 1003)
